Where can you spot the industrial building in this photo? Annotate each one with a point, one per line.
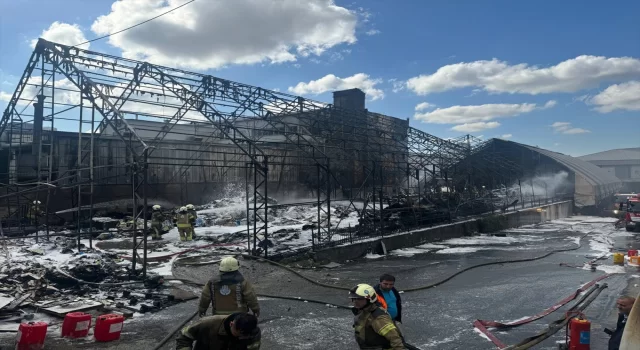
(624, 163)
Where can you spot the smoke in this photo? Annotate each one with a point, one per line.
(548, 185)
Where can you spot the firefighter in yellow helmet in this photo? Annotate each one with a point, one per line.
(191, 210)
(373, 326)
(184, 224)
(228, 292)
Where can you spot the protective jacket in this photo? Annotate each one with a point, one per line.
(193, 214)
(183, 220)
(157, 218)
(35, 211)
(374, 329)
(227, 293)
(214, 333)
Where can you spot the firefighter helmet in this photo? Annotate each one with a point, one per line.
(363, 291)
(156, 207)
(229, 264)
(190, 207)
(183, 209)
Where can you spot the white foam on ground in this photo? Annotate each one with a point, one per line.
(491, 240)
(608, 268)
(460, 250)
(481, 334)
(374, 256)
(432, 246)
(407, 252)
(437, 343)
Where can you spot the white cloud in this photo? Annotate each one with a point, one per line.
(624, 96)
(372, 32)
(559, 126)
(475, 127)
(397, 85)
(567, 128)
(506, 136)
(473, 114)
(62, 92)
(500, 77)
(331, 82)
(63, 33)
(215, 33)
(550, 104)
(576, 131)
(5, 96)
(424, 106)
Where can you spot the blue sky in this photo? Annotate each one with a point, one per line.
(490, 68)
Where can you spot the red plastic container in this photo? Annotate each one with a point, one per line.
(31, 336)
(76, 325)
(632, 252)
(108, 327)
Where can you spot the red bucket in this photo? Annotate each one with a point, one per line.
(632, 252)
(31, 336)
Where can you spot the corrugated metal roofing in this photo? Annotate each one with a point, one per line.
(592, 173)
(614, 154)
(604, 184)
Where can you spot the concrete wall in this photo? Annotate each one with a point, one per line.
(484, 224)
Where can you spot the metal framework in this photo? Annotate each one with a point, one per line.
(102, 124)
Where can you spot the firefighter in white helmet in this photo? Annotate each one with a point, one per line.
(157, 218)
(373, 326)
(184, 224)
(35, 212)
(228, 292)
(191, 209)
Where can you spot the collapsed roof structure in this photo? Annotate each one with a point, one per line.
(110, 129)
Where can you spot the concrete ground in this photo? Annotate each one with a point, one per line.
(437, 318)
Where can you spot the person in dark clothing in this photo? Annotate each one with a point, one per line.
(624, 304)
(221, 332)
(386, 290)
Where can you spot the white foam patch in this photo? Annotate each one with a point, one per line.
(407, 252)
(609, 268)
(481, 334)
(374, 256)
(432, 246)
(437, 343)
(459, 250)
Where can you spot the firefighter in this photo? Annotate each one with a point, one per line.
(184, 225)
(373, 326)
(221, 332)
(35, 212)
(191, 209)
(228, 292)
(157, 218)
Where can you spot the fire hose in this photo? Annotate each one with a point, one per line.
(587, 289)
(432, 285)
(555, 326)
(428, 286)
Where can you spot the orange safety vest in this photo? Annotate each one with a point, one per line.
(380, 300)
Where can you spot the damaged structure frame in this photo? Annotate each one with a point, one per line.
(152, 129)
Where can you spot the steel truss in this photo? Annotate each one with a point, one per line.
(204, 127)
